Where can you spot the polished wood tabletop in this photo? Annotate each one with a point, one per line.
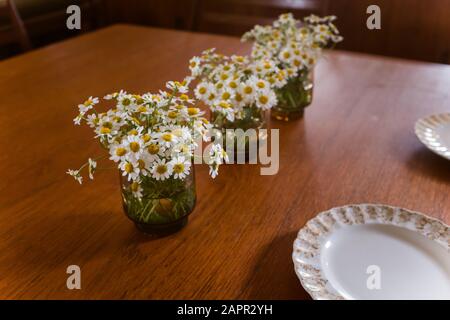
(356, 144)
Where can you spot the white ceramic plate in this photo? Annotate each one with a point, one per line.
(434, 132)
(372, 251)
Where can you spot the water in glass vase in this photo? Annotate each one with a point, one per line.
(239, 143)
(294, 97)
(159, 207)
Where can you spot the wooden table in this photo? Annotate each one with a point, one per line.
(355, 145)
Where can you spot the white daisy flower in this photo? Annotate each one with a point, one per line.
(134, 145)
(161, 170)
(167, 139)
(118, 152)
(182, 133)
(130, 170)
(266, 99)
(262, 85)
(154, 151)
(180, 167)
(144, 163)
(202, 90)
(87, 105)
(76, 175)
(286, 55)
(194, 66)
(184, 98)
(92, 165)
(232, 84)
(125, 101)
(92, 120)
(77, 119)
(248, 90)
(180, 87)
(227, 94)
(136, 189)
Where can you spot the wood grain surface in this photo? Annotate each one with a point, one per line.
(355, 145)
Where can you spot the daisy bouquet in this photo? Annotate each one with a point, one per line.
(234, 88)
(237, 90)
(295, 46)
(151, 138)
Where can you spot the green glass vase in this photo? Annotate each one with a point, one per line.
(245, 141)
(163, 206)
(294, 97)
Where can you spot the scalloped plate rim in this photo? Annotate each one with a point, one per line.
(424, 141)
(335, 295)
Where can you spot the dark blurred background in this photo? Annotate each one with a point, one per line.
(412, 29)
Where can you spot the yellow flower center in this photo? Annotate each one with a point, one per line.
(226, 95)
(202, 90)
(146, 137)
(126, 102)
(193, 111)
(128, 167)
(153, 148)
(141, 164)
(107, 125)
(120, 152)
(134, 186)
(263, 99)
(224, 104)
(184, 97)
(233, 85)
(142, 109)
(161, 169)
(178, 168)
(133, 132)
(238, 97)
(224, 76)
(286, 55)
(167, 137)
(204, 120)
(134, 146)
(172, 114)
(248, 90)
(261, 84)
(104, 130)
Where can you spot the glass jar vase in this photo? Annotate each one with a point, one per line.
(250, 138)
(294, 97)
(159, 207)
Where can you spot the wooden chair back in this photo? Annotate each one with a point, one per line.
(234, 17)
(15, 32)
